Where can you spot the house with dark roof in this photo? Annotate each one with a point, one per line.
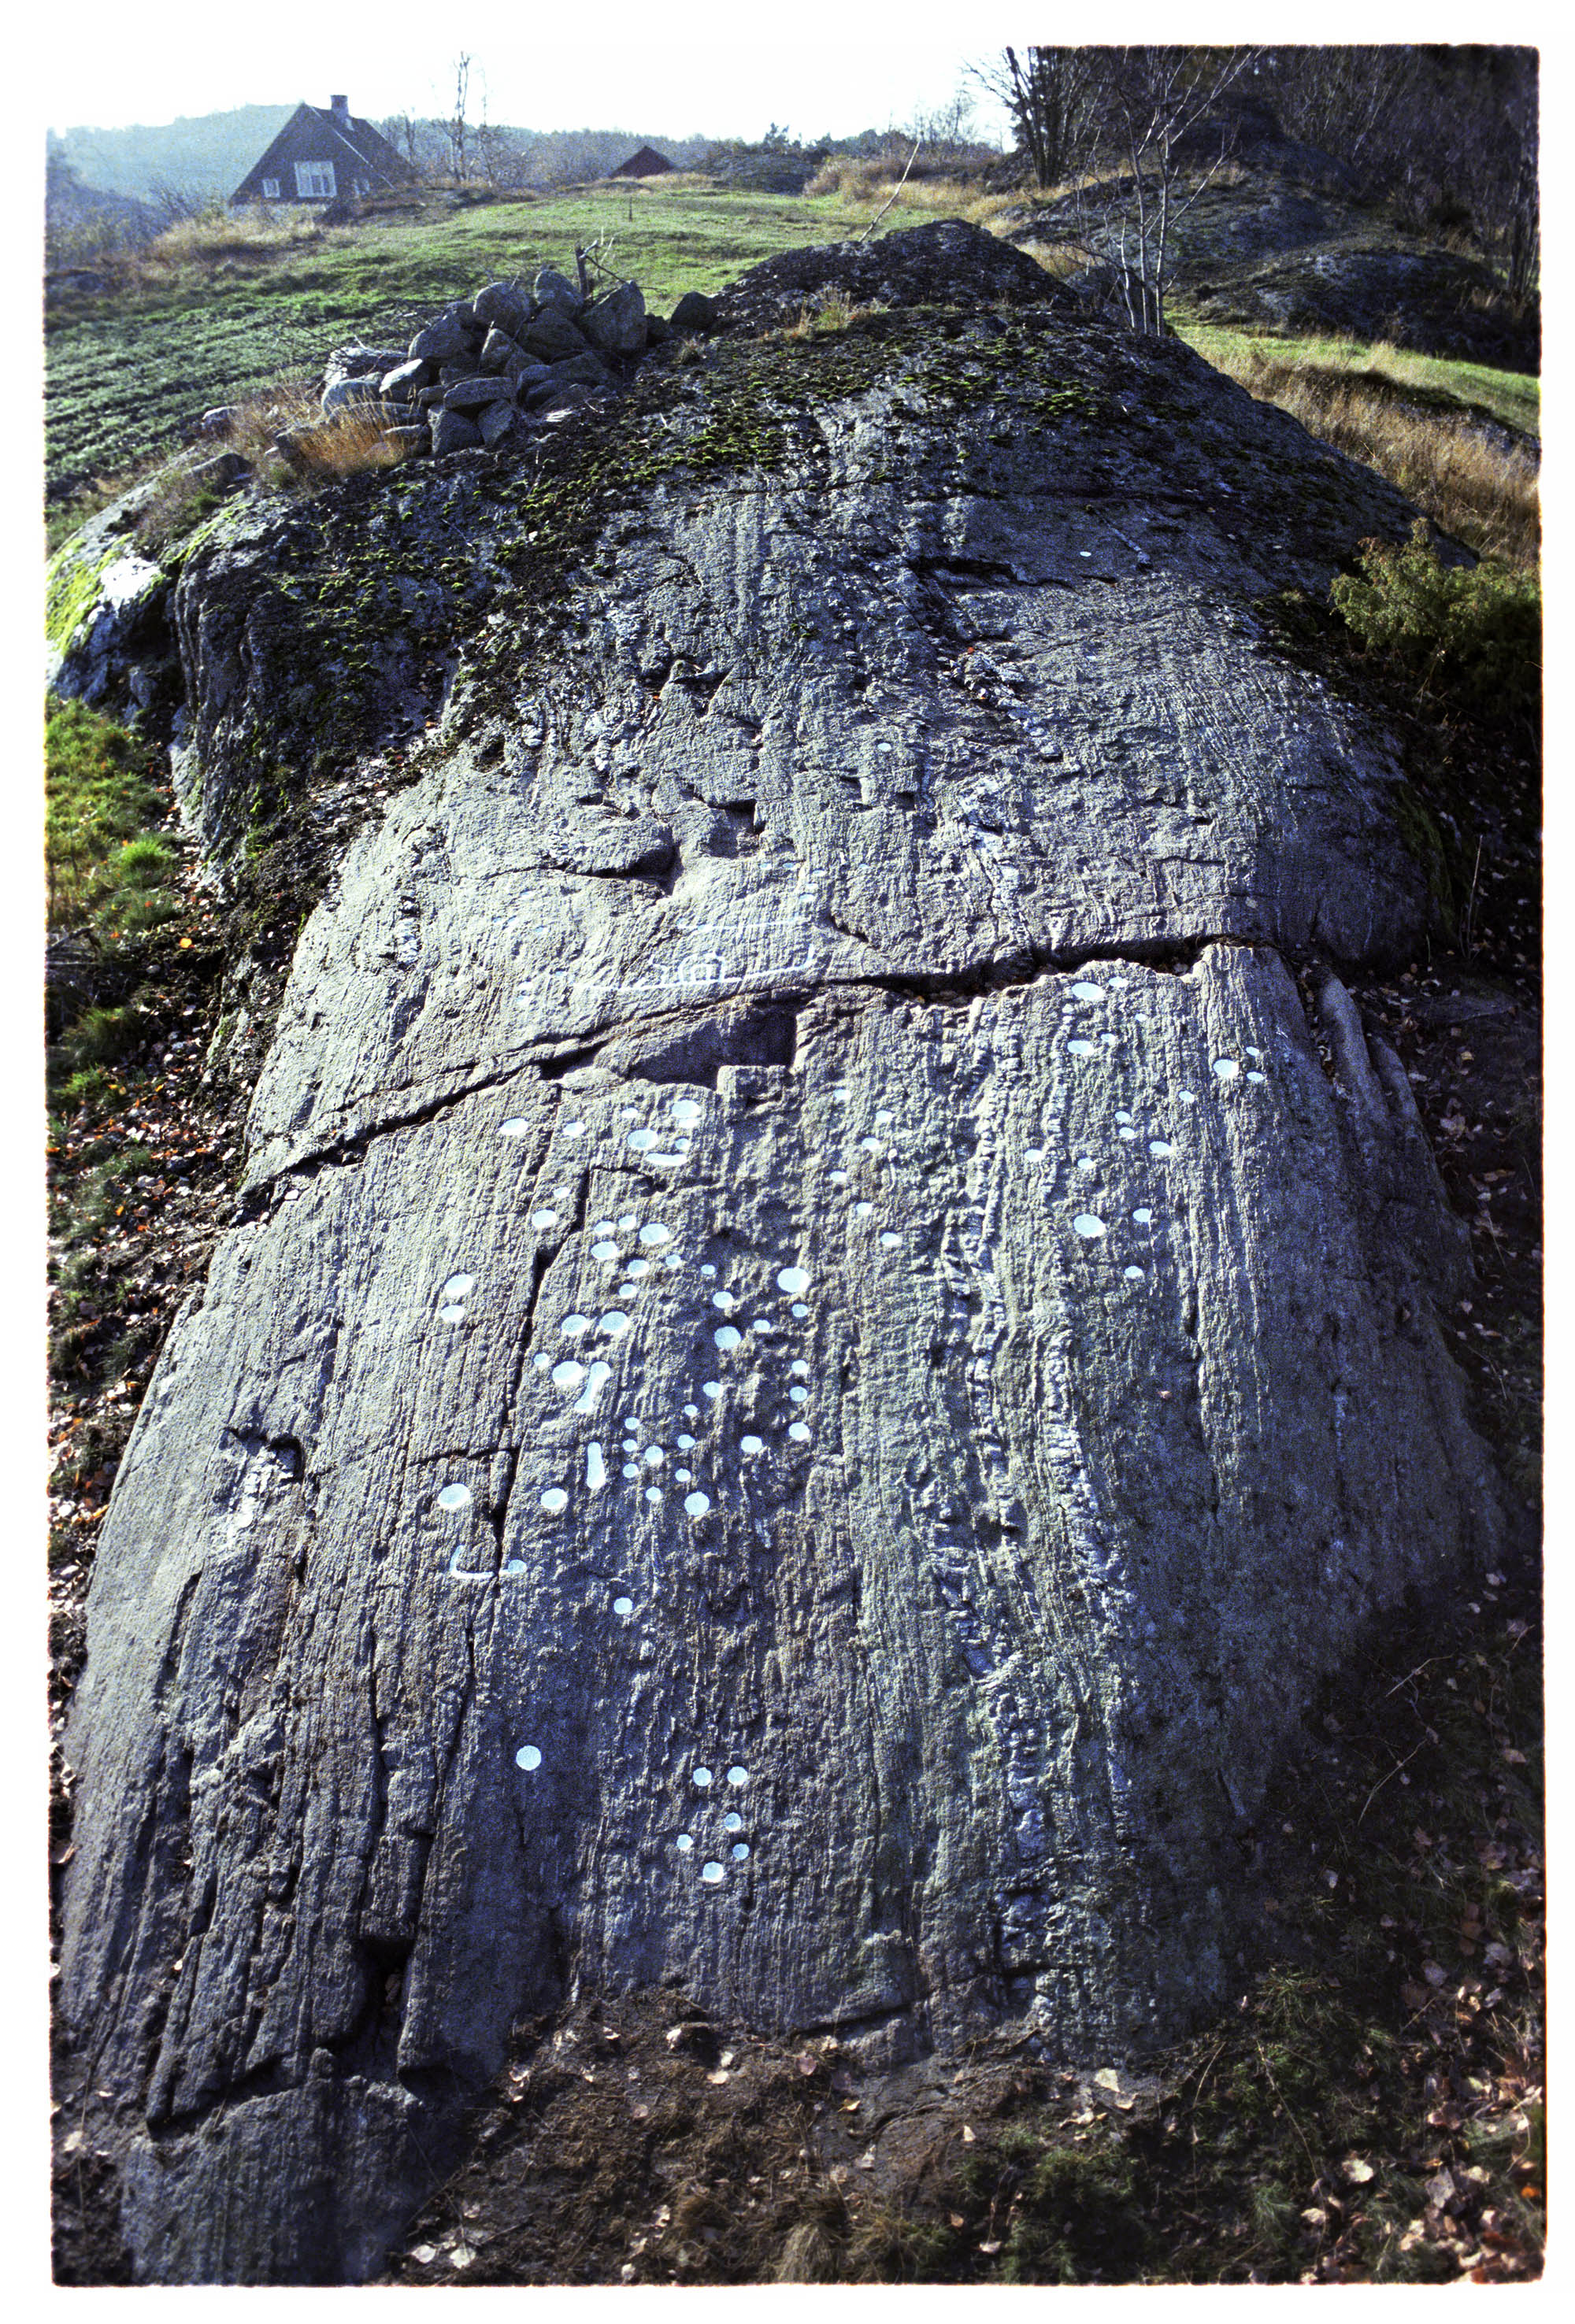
(646, 164)
(324, 155)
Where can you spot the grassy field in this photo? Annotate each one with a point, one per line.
(220, 308)
(1431, 426)
(1511, 396)
(220, 314)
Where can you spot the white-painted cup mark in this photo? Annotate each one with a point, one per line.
(596, 1379)
(455, 1497)
(1087, 1225)
(697, 1504)
(528, 1757)
(554, 1500)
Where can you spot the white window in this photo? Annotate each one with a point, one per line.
(314, 180)
(270, 189)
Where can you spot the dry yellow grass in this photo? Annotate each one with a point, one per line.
(215, 240)
(825, 318)
(1483, 493)
(347, 444)
(861, 185)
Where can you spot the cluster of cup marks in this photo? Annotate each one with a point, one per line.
(647, 1462)
(1086, 1223)
(569, 1375)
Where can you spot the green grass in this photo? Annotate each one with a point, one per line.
(124, 372)
(1511, 396)
(108, 872)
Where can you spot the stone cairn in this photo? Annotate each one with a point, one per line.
(489, 369)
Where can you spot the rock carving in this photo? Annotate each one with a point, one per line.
(874, 888)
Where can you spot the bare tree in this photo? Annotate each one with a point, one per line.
(1162, 109)
(1047, 96)
(455, 127)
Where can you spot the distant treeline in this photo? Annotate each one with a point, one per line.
(180, 164)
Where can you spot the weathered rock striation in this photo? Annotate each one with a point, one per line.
(832, 1316)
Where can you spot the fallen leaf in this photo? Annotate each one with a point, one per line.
(967, 2137)
(955, 2217)
(991, 2247)
(1357, 2172)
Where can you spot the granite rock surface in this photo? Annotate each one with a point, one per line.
(832, 1317)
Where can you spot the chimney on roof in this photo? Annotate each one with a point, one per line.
(339, 106)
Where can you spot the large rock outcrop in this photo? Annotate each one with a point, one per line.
(832, 1319)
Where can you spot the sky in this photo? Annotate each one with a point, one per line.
(713, 67)
(692, 65)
